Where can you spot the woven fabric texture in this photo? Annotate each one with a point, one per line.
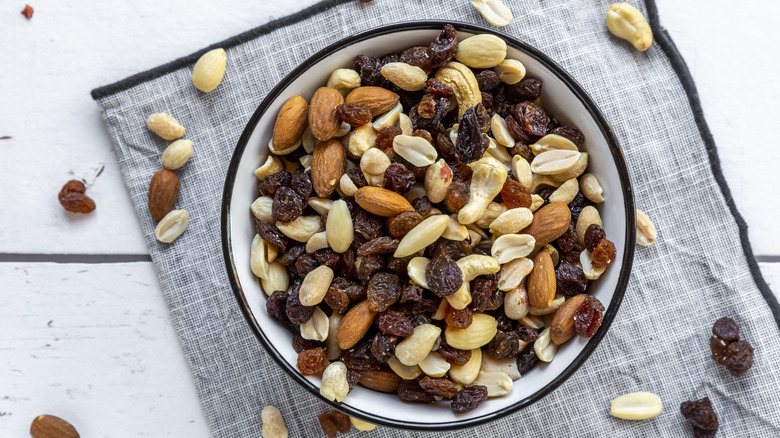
(696, 272)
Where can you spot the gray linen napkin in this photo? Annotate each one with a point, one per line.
(701, 268)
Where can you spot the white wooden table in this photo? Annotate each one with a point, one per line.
(85, 331)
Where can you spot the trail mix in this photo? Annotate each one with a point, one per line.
(426, 228)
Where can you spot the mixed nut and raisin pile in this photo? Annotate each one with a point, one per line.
(426, 228)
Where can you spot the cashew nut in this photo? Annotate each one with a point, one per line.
(486, 183)
(463, 83)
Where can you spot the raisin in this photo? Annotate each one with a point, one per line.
(527, 334)
(701, 417)
(272, 235)
(522, 138)
(487, 80)
(454, 355)
(458, 194)
(360, 358)
(532, 118)
(568, 239)
(411, 293)
(422, 205)
(383, 291)
(427, 106)
(444, 277)
(380, 245)
(328, 257)
(353, 378)
(481, 291)
(334, 422)
(395, 323)
(503, 345)
(357, 177)
(367, 226)
(398, 178)
(276, 306)
(579, 202)
(287, 205)
(411, 391)
(593, 235)
(385, 137)
(603, 253)
(572, 133)
(528, 88)
(469, 398)
(471, 143)
(313, 362)
(297, 313)
(418, 57)
(28, 11)
(398, 266)
(450, 249)
(301, 183)
(355, 292)
(503, 322)
(426, 305)
(348, 263)
(72, 197)
(458, 318)
(367, 267)
(337, 299)
(383, 347)
(726, 329)
(423, 134)
(354, 114)
(437, 88)
(446, 148)
(370, 71)
(441, 387)
(305, 264)
(569, 279)
(443, 48)
(740, 358)
(495, 300)
(527, 359)
(483, 118)
(420, 319)
(487, 101)
(299, 344)
(341, 420)
(401, 224)
(515, 194)
(588, 317)
(272, 182)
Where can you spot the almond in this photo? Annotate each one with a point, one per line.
(354, 325)
(541, 281)
(323, 117)
(549, 223)
(327, 166)
(163, 192)
(380, 380)
(49, 426)
(382, 202)
(562, 327)
(290, 123)
(375, 99)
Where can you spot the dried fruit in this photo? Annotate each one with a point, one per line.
(532, 118)
(726, 328)
(73, 199)
(27, 11)
(701, 417)
(527, 359)
(395, 323)
(288, 205)
(528, 89)
(383, 347)
(603, 254)
(593, 235)
(398, 178)
(443, 48)
(443, 276)
(454, 356)
(458, 318)
(411, 391)
(312, 362)
(588, 317)
(163, 193)
(297, 313)
(503, 345)
(418, 57)
(472, 143)
(469, 399)
(299, 344)
(399, 225)
(515, 195)
(354, 114)
(440, 387)
(383, 291)
(570, 279)
(728, 350)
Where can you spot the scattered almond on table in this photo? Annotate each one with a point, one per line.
(49, 426)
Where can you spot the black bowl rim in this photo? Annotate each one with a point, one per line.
(617, 155)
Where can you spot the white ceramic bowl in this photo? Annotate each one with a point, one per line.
(562, 97)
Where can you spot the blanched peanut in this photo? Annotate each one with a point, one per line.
(494, 11)
(521, 169)
(510, 71)
(361, 425)
(344, 80)
(315, 285)
(405, 123)
(481, 51)
(554, 161)
(338, 227)
(507, 366)
(389, 118)
(512, 246)
(512, 221)
(566, 192)
(317, 327)
(455, 231)
(536, 202)
(361, 139)
(406, 77)
(588, 216)
(434, 366)
(513, 273)
(438, 178)
(552, 308)
(301, 229)
(586, 261)
(348, 188)
(273, 423)
(415, 150)
(320, 205)
(544, 348)
(626, 22)
(552, 142)
(261, 209)
(516, 303)
(591, 188)
(576, 170)
(496, 382)
(486, 183)
(406, 372)
(501, 131)
(334, 382)
(373, 164)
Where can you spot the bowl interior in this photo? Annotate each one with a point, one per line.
(560, 96)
